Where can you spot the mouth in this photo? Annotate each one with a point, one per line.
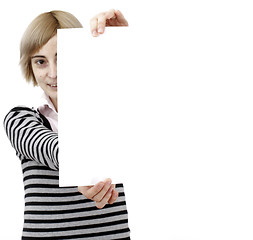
(54, 86)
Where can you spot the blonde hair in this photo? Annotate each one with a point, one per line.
(37, 34)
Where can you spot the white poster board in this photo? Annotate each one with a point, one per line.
(113, 107)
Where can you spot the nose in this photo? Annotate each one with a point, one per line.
(52, 70)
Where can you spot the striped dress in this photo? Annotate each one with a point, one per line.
(53, 212)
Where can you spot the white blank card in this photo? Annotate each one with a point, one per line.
(113, 115)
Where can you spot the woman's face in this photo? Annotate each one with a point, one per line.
(44, 66)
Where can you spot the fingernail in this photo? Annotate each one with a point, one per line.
(94, 33)
(100, 30)
(108, 183)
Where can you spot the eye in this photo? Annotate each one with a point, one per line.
(40, 62)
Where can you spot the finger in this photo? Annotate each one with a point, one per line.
(93, 191)
(120, 18)
(100, 195)
(114, 196)
(94, 26)
(101, 24)
(83, 189)
(111, 14)
(105, 199)
(103, 18)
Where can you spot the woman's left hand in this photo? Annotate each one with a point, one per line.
(101, 193)
(105, 19)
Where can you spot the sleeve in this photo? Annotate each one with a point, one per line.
(30, 138)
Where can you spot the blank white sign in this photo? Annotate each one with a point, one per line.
(114, 109)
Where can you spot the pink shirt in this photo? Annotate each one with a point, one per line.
(47, 109)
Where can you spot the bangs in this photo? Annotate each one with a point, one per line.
(38, 33)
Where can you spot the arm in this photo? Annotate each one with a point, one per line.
(30, 138)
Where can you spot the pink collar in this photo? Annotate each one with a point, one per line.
(47, 109)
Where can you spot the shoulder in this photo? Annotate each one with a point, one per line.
(22, 113)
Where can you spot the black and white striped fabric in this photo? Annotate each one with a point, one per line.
(52, 212)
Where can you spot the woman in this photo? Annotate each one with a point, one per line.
(91, 212)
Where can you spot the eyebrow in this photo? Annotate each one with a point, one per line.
(38, 56)
(41, 56)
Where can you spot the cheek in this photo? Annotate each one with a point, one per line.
(39, 75)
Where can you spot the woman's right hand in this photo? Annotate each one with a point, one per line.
(110, 18)
(102, 193)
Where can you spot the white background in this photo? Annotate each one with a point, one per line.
(209, 194)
